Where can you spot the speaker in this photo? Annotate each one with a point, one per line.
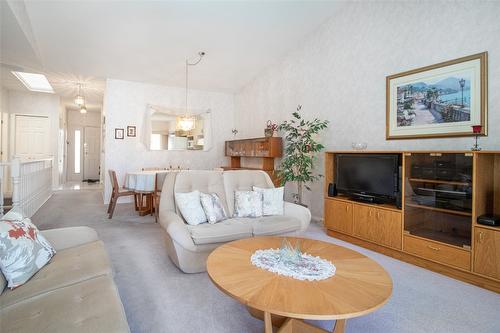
(399, 200)
(332, 190)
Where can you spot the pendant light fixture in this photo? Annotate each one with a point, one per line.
(80, 99)
(187, 122)
(83, 109)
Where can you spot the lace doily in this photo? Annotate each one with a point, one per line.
(307, 267)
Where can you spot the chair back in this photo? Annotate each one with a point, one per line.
(114, 181)
(160, 179)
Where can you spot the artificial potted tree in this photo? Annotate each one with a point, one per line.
(301, 149)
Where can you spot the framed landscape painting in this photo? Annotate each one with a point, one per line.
(441, 100)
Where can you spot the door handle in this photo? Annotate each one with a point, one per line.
(433, 248)
(481, 237)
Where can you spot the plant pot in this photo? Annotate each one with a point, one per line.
(268, 132)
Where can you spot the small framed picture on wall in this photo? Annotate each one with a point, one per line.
(119, 133)
(131, 131)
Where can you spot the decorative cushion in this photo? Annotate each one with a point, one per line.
(214, 210)
(247, 204)
(272, 200)
(190, 206)
(23, 250)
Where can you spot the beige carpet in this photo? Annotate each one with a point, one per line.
(159, 298)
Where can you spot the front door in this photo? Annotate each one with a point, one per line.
(91, 150)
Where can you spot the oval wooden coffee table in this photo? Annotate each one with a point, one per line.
(359, 286)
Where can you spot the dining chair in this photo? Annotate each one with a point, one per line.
(117, 193)
(159, 180)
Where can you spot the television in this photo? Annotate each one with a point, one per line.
(368, 177)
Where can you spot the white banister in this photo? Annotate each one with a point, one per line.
(31, 184)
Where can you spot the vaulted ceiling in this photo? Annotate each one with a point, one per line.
(148, 41)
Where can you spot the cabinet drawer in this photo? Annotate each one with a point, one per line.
(437, 252)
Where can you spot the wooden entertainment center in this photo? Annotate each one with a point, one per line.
(443, 193)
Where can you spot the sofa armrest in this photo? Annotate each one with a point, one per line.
(177, 229)
(300, 212)
(63, 238)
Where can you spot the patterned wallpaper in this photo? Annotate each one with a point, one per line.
(338, 72)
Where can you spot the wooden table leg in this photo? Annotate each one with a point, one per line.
(268, 324)
(145, 204)
(339, 326)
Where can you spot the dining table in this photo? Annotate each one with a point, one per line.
(144, 184)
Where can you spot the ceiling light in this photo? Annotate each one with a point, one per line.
(83, 109)
(187, 123)
(34, 82)
(79, 99)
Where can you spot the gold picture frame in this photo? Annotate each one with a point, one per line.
(441, 100)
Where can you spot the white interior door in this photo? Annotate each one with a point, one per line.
(91, 150)
(32, 136)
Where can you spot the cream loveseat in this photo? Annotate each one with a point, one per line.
(74, 292)
(189, 246)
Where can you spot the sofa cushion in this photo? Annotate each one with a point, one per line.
(243, 180)
(63, 238)
(272, 200)
(190, 207)
(89, 306)
(66, 268)
(206, 181)
(272, 225)
(247, 204)
(24, 250)
(213, 207)
(225, 231)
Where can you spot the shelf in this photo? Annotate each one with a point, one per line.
(437, 209)
(489, 227)
(435, 181)
(350, 200)
(442, 237)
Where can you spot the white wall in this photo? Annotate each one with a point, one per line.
(339, 72)
(125, 104)
(4, 117)
(43, 104)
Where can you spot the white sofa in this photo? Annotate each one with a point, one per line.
(189, 246)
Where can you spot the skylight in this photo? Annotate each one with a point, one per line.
(34, 82)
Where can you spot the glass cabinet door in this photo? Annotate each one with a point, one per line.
(438, 197)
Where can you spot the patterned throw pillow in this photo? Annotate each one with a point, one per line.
(272, 200)
(190, 206)
(214, 210)
(247, 204)
(23, 250)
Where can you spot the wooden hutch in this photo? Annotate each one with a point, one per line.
(267, 149)
(438, 235)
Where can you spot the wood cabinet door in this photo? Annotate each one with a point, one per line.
(388, 227)
(363, 221)
(338, 216)
(487, 252)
